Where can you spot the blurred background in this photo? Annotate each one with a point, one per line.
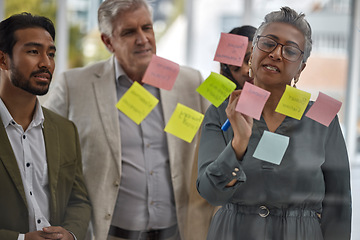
(188, 31)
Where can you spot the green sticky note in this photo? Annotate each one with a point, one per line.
(293, 102)
(184, 123)
(216, 88)
(137, 103)
(271, 147)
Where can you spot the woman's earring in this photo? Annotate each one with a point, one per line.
(295, 81)
(250, 70)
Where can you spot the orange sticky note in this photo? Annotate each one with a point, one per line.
(137, 103)
(184, 122)
(252, 100)
(324, 109)
(161, 73)
(231, 49)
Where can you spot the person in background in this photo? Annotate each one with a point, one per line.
(240, 75)
(307, 196)
(199, 208)
(43, 195)
(138, 176)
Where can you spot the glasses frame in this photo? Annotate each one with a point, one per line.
(277, 44)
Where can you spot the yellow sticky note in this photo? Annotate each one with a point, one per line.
(184, 123)
(216, 88)
(293, 102)
(137, 103)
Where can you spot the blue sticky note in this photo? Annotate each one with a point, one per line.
(271, 147)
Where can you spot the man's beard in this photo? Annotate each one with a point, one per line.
(19, 80)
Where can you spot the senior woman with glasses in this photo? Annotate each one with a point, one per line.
(307, 196)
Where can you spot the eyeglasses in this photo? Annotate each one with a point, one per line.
(288, 52)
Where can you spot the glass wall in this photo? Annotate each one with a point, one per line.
(188, 32)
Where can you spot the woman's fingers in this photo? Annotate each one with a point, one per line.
(234, 96)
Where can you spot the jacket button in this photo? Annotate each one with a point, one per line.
(108, 216)
(117, 183)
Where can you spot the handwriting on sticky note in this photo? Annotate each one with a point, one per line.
(216, 88)
(293, 102)
(137, 103)
(324, 109)
(231, 49)
(252, 100)
(271, 147)
(184, 123)
(161, 73)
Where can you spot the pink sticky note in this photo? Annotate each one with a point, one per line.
(231, 49)
(252, 100)
(324, 109)
(161, 73)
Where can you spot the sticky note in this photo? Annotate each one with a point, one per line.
(324, 109)
(137, 103)
(231, 49)
(161, 73)
(271, 147)
(216, 88)
(184, 123)
(252, 100)
(293, 102)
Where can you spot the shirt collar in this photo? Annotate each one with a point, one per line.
(121, 77)
(38, 118)
(123, 80)
(4, 114)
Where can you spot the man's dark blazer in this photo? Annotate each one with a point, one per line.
(69, 203)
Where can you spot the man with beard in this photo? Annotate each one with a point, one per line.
(42, 192)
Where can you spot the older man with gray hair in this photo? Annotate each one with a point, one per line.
(138, 176)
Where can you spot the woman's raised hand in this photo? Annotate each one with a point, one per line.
(241, 125)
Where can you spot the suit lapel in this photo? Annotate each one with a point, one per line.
(105, 95)
(8, 159)
(51, 138)
(169, 100)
